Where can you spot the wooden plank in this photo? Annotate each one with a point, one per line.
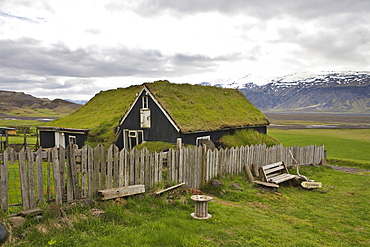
(62, 167)
(69, 176)
(121, 192)
(110, 167)
(31, 178)
(57, 178)
(73, 173)
(103, 168)
(249, 173)
(273, 169)
(281, 178)
(169, 163)
(48, 189)
(84, 172)
(203, 165)
(143, 158)
(152, 167)
(116, 167)
(4, 183)
(160, 167)
(132, 167)
(147, 169)
(208, 165)
(24, 182)
(170, 188)
(90, 171)
(127, 168)
(12, 156)
(96, 170)
(39, 175)
(121, 168)
(216, 167)
(137, 166)
(266, 184)
(30, 212)
(155, 169)
(181, 168)
(271, 165)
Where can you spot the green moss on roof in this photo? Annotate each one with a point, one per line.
(204, 108)
(105, 108)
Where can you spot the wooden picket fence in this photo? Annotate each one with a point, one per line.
(80, 173)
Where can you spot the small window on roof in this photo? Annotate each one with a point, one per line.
(145, 104)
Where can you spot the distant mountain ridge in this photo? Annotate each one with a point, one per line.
(20, 103)
(325, 92)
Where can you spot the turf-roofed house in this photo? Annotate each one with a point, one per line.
(162, 111)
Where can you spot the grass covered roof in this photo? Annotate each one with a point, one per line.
(192, 107)
(203, 108)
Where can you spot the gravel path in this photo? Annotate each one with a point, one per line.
(348, 169)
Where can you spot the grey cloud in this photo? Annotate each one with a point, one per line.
(264, 9)
(349, 45)
(29, 56)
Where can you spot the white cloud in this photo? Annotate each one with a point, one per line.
(74, 49)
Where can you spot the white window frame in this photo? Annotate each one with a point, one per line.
(202, 138)
(72, 138)
(128, 135)
(145, 102)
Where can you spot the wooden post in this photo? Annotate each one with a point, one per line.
(204, 164)
(4, 181)
(6, 139)
(249, 173)
(23, 179)
(201, 207)
(178, 143)
(25, 137)
(57, 176)
(255, 169)
(39, 176)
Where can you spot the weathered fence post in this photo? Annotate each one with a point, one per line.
(57, 176)
(4, 180)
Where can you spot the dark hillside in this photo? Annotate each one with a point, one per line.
(18, 103)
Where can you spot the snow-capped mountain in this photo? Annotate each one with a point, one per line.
(325, 92)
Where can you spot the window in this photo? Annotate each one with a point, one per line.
(72, 140)
(132, 138)
(145, 103)
(202, 138)
(144, 118)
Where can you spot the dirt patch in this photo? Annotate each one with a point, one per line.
(227, 203)
(349, 169)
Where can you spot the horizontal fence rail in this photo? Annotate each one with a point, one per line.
(66, 174)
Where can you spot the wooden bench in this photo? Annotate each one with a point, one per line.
(275, 173)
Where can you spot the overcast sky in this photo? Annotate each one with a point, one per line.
(72, 49)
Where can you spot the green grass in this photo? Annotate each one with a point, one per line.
(344, 144)
(15, 123)
(156, 146)
(247, 137)
(252, 216)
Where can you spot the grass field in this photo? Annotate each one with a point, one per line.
(250, 216)
(347, 144)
